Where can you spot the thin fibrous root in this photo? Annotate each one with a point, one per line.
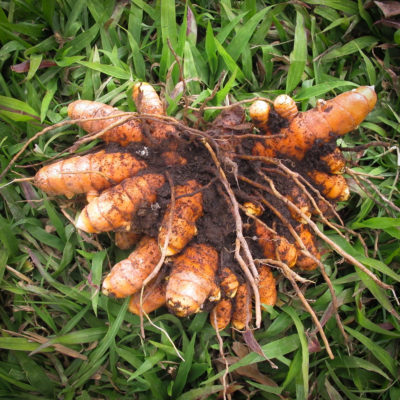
(298, 239)
(284, 267)
(246, 101)
(315, 228)
(156, 270)
(316, 260)
(164, 249)
(297, 178)
(221, 353)
(365, 146)
(312, 313)
(241, 241)
(258, 220)
(358, 177)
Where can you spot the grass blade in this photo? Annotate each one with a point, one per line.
(380, 354)
(298, 57)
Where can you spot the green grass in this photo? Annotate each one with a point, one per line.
(59, 337)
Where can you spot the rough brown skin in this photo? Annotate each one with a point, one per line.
(153, 297)
(267, 286)
(228, 282)
(275, 247)
(126, 240)
(221, 314)
(187, 211)
(124, 134)
(242, 311)
(128, 275)
(332, 118)
(303, 262)
(115, 207)
(90, 173)
(192, 280)
(333, 187)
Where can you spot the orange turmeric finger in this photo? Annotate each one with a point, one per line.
(220, 315)
(285, 106)
(334, 117)
(192, 280)
(334, 161)
(333, 187)
(228, 282)
(187, 211)
(153, 297)
(148, 102)
(115, 208)
(252, 209)
(267, 286)
(125, 240)
(90, 173)
(123, 134)
(172, 158)
(275, 247)
(304, 262)
(128, 275)
(259, 113)
(299, 199)
(242, 310)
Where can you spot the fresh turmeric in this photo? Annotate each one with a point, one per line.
(320, 125)
(267, 286)
(242, 311)
(90, 173)
(128, 275)
(126, 239)
(187, 211)
(335, 162)
(275, 247)
(128, 132)
(115, 207)
(304, 262)
(152, 299)
(148, 102)
(229, 282)
(333, 187)
(192, 280)
(220, 315)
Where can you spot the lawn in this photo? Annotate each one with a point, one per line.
(60, 337)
